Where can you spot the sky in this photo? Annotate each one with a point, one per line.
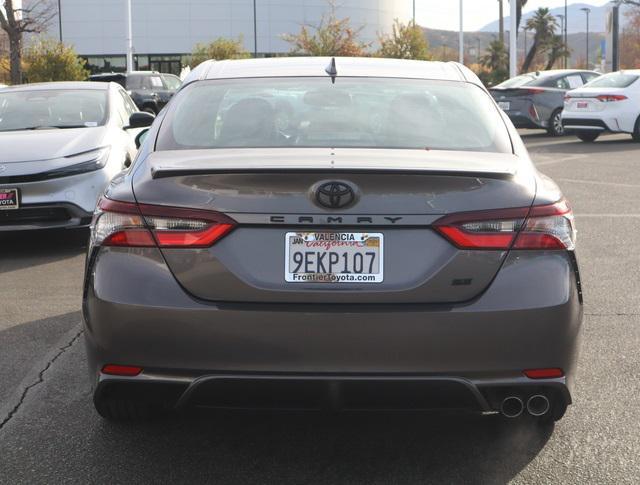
(444, 14)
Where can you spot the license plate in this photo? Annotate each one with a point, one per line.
(333, 257)
(583, 105)
(9, 199)
(504, 105)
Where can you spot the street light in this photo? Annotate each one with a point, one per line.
(461, 47)
(255, 31)
(566, 25)
(587, 11)
(414, 12)
(129, 38)
(562, 22)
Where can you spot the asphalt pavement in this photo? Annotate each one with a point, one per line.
(49, 432)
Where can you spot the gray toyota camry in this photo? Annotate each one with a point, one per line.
(316, 233)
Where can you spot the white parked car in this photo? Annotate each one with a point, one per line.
(60, 145)
(610, 103)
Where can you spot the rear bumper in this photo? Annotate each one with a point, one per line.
(525, 122)
(588, 122)
(530, 317)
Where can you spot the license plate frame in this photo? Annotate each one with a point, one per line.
(8, 195)
(504, 105)
(351, 243)
(582, 105)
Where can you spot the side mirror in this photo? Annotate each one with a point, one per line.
(140, 137)
(141, 119)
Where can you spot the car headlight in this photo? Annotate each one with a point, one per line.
(88, 161)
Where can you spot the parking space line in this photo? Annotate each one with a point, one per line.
(598, 182)
(569, 158)
(608, 216)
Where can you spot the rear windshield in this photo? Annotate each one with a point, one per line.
(55, 108)
(613, 80)
(353, 112)
(516, 82)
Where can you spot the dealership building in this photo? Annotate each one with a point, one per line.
(165, 31)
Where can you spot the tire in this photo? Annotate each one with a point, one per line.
(555, 123)
(123, 410)
(636, 131)
(588, 136)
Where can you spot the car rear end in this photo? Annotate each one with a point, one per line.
(608, 104)
(522, 106)
(340, 277)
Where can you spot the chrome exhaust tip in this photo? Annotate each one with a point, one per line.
(538, 405)
(511, 407)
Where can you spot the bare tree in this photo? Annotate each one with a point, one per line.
(17, 19)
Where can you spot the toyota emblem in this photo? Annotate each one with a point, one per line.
(335, 195)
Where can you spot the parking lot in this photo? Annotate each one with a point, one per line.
(50, 433)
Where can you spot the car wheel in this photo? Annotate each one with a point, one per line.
(555, 124)
(588, 136)
(636, 131)
(124, 410)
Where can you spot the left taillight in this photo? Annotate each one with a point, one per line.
(539, 227)
(128, 224)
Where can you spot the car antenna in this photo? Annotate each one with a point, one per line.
(331, 70)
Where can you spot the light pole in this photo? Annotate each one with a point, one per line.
(513, 40)
(414, 12)
(524, 31)
(562, 23)
(255, 31)
(60, 19)
(461, 40)
(129, 38)
(566, 25)
(587, 11)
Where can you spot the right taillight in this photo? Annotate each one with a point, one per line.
(611, 98)
(539, 227)
(141, 225)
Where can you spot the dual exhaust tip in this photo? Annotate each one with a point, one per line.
(537, 405)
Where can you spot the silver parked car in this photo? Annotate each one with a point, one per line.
(344, 233)
(535, 100)
(60, 145)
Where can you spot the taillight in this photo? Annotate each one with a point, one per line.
(539, 227)
(610, 98)
(534, 90)
(141, 225)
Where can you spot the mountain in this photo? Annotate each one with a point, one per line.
(577, 18)
(447, 40)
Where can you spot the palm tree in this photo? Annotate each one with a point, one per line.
(501, 22)
(544, 25)
(521, 4)
(557, 50)
(497, 61)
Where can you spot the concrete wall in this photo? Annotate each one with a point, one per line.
(97, 27)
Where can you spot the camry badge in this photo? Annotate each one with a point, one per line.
(335, 195)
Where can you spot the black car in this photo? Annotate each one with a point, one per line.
(150, 90)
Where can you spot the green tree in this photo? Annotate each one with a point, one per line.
(219, 50)
(544, 25)
(18, 18)
(331, 37)
(49, 60)
(406, 41)
(496, 60)
(557, 51)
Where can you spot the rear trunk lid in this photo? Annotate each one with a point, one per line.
(272, 192)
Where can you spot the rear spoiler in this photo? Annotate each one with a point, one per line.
(160, 172)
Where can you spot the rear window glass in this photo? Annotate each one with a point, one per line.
(614, 80)
(353, 112)
(517, 81)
